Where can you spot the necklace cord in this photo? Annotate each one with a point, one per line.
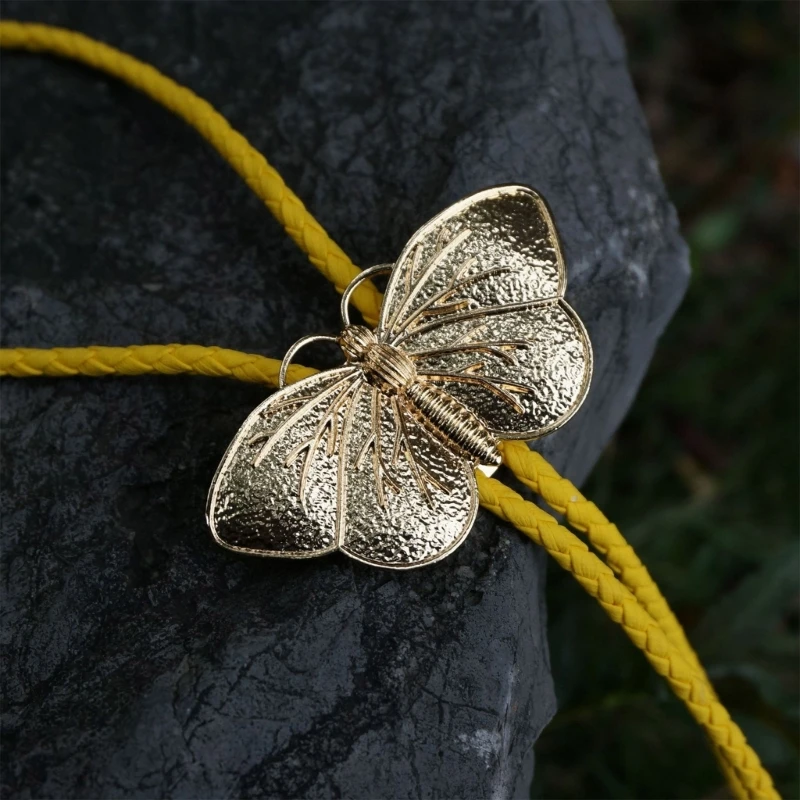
(622, 586)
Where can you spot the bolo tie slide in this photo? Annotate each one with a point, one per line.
(376, 458)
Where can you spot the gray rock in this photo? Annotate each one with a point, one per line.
(141, 659)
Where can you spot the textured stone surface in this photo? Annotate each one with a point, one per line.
(142, 660)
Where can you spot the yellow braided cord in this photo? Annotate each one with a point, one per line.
(259, 175)
(531, 469)
(599, 581)
(633, 601)
(636, 615)
(147, 359)
(737, 788)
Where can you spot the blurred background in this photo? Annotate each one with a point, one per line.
(703, 476)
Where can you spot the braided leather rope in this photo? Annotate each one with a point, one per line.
(633, 600)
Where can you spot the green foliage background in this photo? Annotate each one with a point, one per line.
(703, 476)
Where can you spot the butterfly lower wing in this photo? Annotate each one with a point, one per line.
(408, 499)
(277, 489)
(331, 462)
(494, 248)
(523, 371)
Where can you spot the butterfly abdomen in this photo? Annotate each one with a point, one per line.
(451, 419)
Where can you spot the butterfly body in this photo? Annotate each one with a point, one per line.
(394, 374)
(376, 458)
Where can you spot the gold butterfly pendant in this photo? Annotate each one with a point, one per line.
(376, 458)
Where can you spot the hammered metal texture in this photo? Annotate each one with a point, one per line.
(476, 299)
(411, 500)
(506, 227)
(255, 504)
(364, 458)
(550, 360)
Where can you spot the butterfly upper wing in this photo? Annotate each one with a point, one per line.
(476, 300)
(277, 489)
(408, 499)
